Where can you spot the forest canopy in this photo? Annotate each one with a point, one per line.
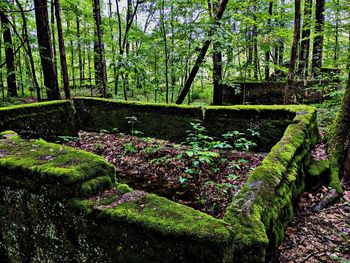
(145, 50)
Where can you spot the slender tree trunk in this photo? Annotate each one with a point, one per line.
(63, 59)
(305, 41)
(172, 58)
(267, 53)
(294, 52)
(115, 80)
(100, 62)
(317, 52)
(9, 56)
(255, 47)
(1, 78)
(80, 62)
(44, 41)
(217, 64)
(202, 53)
(29, 51)
(336, 36)
(53, 35)
(165, 41)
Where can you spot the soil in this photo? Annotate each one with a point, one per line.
(204, 180)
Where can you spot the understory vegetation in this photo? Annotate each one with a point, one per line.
(203, 172)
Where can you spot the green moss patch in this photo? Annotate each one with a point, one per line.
(36, 163)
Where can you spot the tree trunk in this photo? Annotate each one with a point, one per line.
(115, 80)
(63, 59)
(80, 62)
(9, 55)
(217, 65)
(202, 53)
(165, 41)
(294, 52)
(339, 139)
(267, 53)
(44, 41)
(53, 36)
(305, 41)
(100, 62)
(29, 51)
(1, 79)
(318, 40)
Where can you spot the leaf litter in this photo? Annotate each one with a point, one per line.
(173, 170)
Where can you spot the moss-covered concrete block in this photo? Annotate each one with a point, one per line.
(270, 121)
(40, 119)
(162, 121)
(264, 206)
(63, 171)
(60, 204)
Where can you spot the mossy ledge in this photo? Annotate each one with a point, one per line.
(264, 206)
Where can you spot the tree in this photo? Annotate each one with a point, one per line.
(9, 55)
(305, 41)
(317, 52)
(44, 41)
(202, 53)
(339, 138)
(99, 58)
(62, 48)
(217, 64)
(29, 51)
(294, 52)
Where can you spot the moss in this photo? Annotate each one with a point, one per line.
(40, 119)
(123, 188)
(265, 203)
(317, 168)
(37, 162)
(160, 214)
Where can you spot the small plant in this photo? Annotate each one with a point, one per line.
(99, 148)
(132, 120)
(130, 148)
(241, 143)
(67, 139)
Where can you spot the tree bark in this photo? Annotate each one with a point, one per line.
(267, 53)
(9, 56)
(100, 62)
(44, 41)
(80, 62)
(63, 59)
(339, 138)
(305, 41)
(318, 40)
(294, 52)
(217, 65)
(165, 41)
(29, 51)
(202, 53)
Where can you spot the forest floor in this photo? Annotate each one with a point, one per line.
(206, 180)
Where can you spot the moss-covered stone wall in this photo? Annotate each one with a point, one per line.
(58, 203)
(171, 122)
(153, 120)
(55, 207)
(267, 93)
(264, 206)
(40, 119)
